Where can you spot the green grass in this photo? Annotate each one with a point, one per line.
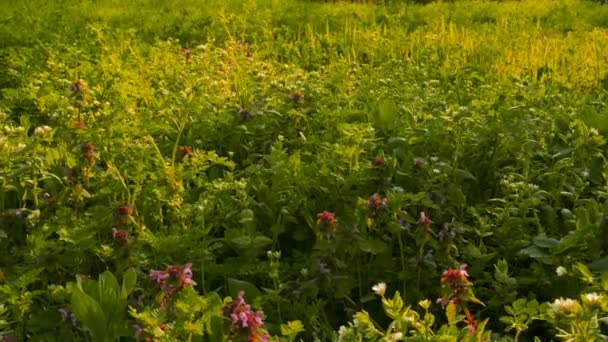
(489, 116)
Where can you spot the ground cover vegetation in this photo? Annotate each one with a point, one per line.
(262, 170)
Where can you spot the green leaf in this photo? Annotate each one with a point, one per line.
(129, 280)
(546, 242)
(89, 312)
(450, 313)
(372, 246)
(215, 328)
(600, 265)
(534, 252)
(234, 286)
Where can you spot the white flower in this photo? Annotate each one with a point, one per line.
(42, 131)
(561, 271)
(379, 289)
(591, 298)
(565, 306)
(395, 337)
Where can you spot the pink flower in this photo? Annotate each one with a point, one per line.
(186, 276)
(159, 277)
(244, 319)
(424, 220)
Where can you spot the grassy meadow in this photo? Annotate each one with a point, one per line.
(283, 170)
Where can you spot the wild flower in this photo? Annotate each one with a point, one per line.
(455, 276)
(424, 220)
(244, 320)
(376, 202)
(565, 306)
(88, 150)
(379, 289)
(186, 151)
(326, 218)
(592, 299)
(378, 161)
(419, 164)
(79, 124)
(124, 210)
(296, 96)
(561, 271)
(244, 114)
(172, 280)
(42, 131)
(78, 86)
(120, 236)
(186, 53)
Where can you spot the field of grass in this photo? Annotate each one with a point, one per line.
(159, 157)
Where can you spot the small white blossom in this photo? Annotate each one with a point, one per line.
(561, 271)
(565, 306)
(42, 131)
(379, 289)
(591, 298)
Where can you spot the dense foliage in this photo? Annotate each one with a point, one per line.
(157, 156)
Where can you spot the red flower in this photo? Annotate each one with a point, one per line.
(120, 236)
(455, 276)
(326, 218)
(124, 210)
(378, 161)
(376, 202)
(186, 151)
(296, 96)
(419, 164)
(88, 150)
(186, 53)
(424, 220)
(79, 124)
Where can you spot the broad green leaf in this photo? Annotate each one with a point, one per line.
(546, 242)
(129, 280)
(89, 312)
(600, 265)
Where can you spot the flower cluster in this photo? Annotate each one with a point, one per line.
(326, 218)
(120, 236)
(186, 151)
(378, 161)
(172, 280)
(296, 96)
(566, 306)
(78, 86)
(245, 322)
(88, 150)
(457, 290)
(424, 220)
(376, 203)
(123, 213)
